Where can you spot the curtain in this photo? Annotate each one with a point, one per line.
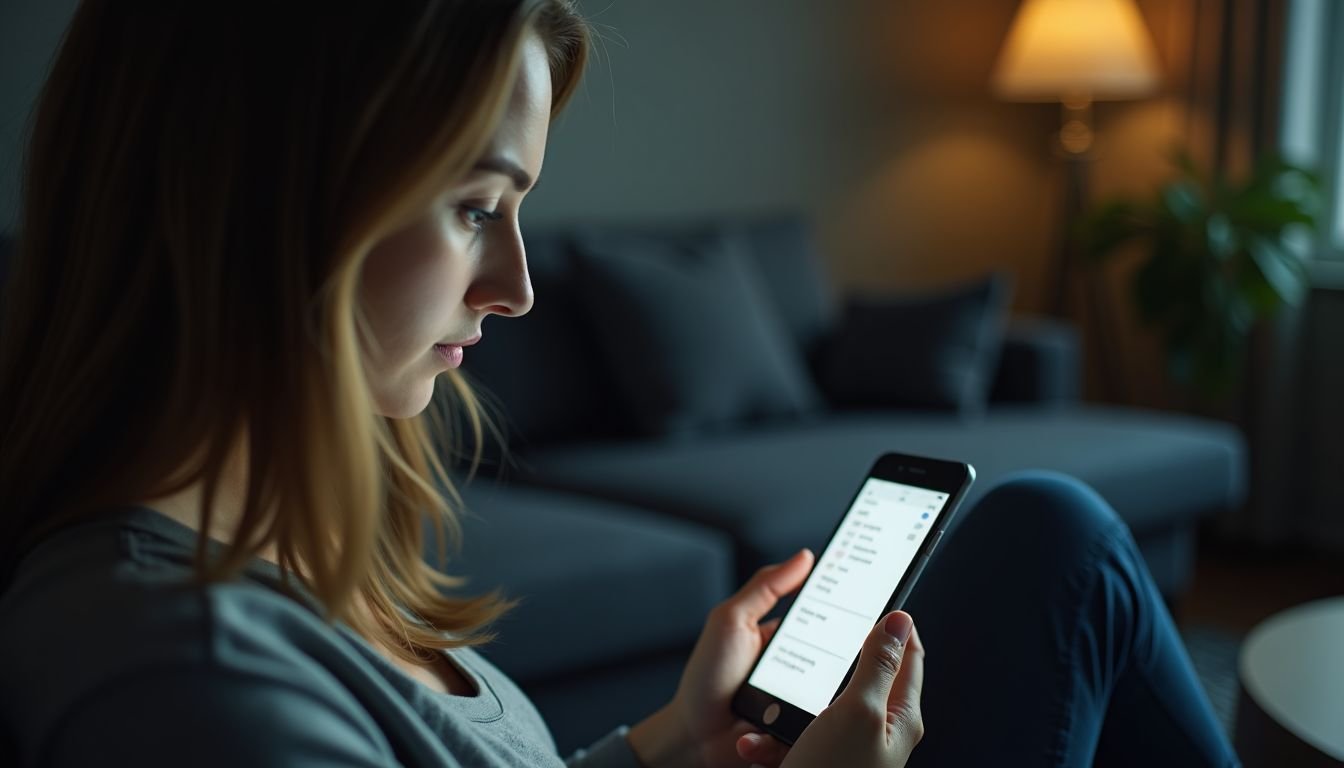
(1241, 59)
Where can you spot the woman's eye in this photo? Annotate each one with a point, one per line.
(478, 217)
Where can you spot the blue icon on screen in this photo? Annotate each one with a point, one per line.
(925, 515)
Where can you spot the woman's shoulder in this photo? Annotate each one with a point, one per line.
(102, 613)
(129, 579)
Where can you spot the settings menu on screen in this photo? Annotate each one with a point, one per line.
(846, 593)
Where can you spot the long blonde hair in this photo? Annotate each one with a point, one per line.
(201, 189)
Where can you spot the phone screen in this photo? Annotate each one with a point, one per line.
(847, 592)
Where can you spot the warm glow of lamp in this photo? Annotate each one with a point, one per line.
(1070, 50)
(1075, 52)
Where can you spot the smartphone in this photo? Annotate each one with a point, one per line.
(869, 567)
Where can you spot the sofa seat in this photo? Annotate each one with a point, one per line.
(599, 582)
(777, 489)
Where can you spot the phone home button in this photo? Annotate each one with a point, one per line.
(771, 714)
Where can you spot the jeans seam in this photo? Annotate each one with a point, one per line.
(1087, 576)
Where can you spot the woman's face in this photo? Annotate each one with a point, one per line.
(426, 288)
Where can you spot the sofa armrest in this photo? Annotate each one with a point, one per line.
(1041, 362)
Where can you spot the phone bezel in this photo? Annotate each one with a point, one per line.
(950, 477)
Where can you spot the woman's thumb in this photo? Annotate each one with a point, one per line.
(880, 661)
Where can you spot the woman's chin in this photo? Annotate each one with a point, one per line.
(407, 402)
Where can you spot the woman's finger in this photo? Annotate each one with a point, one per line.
(880, 663)
(903, 706)
(768, 585)
(761, 749)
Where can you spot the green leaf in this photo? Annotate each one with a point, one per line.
(1184, 201)
(1099, 233)
(1276, 184)
(1221, 237)
(1298, 184)
(1279, 268)
(1272, 168)
(1258, 294)
(1267, 215)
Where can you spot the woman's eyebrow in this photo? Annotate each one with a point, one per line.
(496, 164)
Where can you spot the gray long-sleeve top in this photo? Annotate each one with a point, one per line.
(110, 656)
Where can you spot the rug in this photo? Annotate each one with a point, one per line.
(1214, 653)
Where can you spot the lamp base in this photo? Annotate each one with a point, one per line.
(1096, 317)
(1075, 137)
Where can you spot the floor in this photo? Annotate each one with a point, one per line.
(1236, 588)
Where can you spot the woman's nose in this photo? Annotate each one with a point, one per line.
(501, 285)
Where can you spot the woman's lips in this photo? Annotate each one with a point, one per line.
(451, 351)
(451, 354)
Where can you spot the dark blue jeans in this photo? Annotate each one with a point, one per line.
(1048, 644)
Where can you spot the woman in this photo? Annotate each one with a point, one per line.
(251, 244)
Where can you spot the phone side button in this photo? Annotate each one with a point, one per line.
(937, 539)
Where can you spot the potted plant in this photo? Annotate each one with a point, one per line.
(1217, 259)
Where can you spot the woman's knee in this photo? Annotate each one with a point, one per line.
(1044, 508)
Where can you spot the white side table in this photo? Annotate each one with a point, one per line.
(1290, 710)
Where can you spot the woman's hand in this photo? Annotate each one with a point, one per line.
(876, 720)
(698, 727)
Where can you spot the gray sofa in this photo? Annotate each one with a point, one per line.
(619, 541)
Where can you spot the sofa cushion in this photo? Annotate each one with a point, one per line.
(793, 274)
(692, 336)
(777, 489)
(599, 582)
(936, 350)
(1040, 363)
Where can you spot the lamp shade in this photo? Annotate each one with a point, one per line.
(1068, 49)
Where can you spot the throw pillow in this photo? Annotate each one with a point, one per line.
(689, 332)
(933, 351)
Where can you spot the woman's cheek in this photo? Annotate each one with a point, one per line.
(410, 281)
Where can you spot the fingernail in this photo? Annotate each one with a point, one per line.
(752, 738)
(898, 625)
